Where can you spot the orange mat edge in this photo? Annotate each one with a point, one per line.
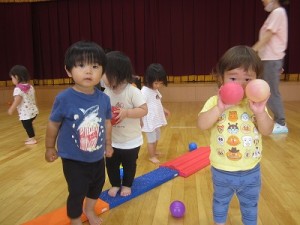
(59, 216)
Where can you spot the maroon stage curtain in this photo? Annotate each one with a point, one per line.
(16, 35)
(186, 36)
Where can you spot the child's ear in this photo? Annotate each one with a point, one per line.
(16, 77)
(68, 72)
(219, 81)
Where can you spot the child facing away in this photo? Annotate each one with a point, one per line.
(80, 125)
(236, 137)
(24, 101)
(127, 136)
(155, 77)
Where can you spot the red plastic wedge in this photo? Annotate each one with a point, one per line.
(190, 162)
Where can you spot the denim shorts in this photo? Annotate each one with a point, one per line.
(245, 184)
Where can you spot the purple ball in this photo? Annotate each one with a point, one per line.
(177, 209)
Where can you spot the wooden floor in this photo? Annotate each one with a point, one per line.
(30, 187)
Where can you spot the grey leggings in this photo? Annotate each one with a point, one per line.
(271, 74)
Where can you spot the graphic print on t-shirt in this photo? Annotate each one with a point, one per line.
(89, 129)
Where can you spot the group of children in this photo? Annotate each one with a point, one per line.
(80, 130)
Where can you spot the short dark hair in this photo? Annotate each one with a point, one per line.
(240, 56)
(283, 2)
(155, 72)
(84, 52)
(118, 68)
(20, 72)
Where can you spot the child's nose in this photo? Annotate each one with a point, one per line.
(244, 84)
(89, 69)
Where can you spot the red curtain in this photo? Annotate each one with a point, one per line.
(186, 36)
(16, 35)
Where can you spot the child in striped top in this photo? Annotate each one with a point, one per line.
(155, 77)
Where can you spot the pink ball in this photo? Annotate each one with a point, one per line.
(231, 93)
(257, 90)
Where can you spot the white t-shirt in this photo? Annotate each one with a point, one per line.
(156, 116)
(27, 108)
(128, 133)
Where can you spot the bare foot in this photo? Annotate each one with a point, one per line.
(125, 191)
(113, 191)
(76, 221)
(30, 141)
(93, 218)
(154, 160)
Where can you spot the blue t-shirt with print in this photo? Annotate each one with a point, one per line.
(82, 134)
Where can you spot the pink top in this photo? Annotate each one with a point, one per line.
(277, 23)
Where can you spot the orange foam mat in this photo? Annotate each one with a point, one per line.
(59, 216)
(190, 162)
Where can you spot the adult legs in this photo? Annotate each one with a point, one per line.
(271, 74)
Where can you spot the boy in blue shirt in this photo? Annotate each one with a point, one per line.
(80, 125)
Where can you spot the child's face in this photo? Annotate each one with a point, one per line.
(105, 80)
(239, 75)
(86, 75)
(157, 84)
(107, 84)
(266, 2)
(14, 79)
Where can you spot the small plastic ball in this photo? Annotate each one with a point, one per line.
(231, 93)
(257, 90)
(192, 146)
(177, 209)
(114, 115)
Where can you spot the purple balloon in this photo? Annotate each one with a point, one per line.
(177, 209)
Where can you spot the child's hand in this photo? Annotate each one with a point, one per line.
(10, 111)
(258, 107)
(51, 155)
(109, 151)
(167, 112)
(122, 114)
(221, 105)
(17, 101)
